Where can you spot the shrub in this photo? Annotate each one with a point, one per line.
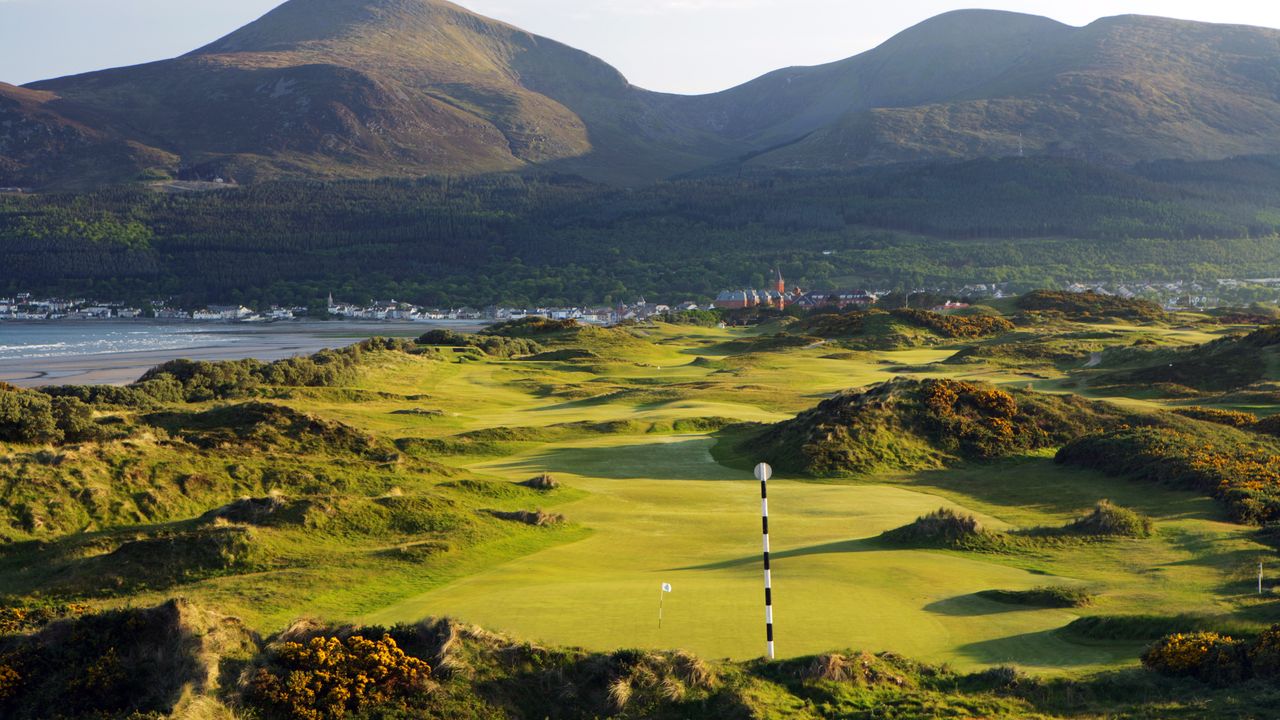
(1244, 476)
(699, 318)
(834, 325)
(525, 327)
(1264, 653)
(955, 326)
(1207, 656)
(492, 345)
(27, 417)
(926, 423)
(330, 677)
(198, 381)
(1230, 418)
(1269, 425)
(1090, 306)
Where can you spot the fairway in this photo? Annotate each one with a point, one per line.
(660, 510)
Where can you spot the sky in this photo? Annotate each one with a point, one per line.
(681, 46)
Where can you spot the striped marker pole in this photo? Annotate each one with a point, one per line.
(763, 473)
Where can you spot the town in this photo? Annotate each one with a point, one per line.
(1173, 295)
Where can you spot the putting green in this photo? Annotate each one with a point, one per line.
(662, 511)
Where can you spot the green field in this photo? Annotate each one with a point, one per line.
(660, 509)
(395, 497)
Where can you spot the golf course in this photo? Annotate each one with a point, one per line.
(545, 486)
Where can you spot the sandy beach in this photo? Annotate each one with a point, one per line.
(272, 342)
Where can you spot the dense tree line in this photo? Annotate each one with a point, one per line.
(515, 239)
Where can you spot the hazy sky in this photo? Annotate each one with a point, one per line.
(685, 46)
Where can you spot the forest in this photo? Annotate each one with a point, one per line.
(556, 239)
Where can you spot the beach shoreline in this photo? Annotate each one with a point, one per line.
(260, 342)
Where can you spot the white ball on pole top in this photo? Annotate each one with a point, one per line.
(763, 473)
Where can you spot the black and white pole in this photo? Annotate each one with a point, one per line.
(763, 473)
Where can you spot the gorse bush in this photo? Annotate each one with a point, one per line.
(328, 678)
(955, 326)
(1206, 656)
(492, 345)
(525, 327)
(1090, 306)
(927, 423)
(1245, 476)
(1230, 418)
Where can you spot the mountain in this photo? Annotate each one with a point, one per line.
(974, 83)
(371, 88)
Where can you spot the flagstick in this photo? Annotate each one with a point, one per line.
(1259, 577)
(763, 473)
(662, 595)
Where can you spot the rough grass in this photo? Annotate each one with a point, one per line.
(910, 424)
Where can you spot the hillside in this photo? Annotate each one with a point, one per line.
(398, 88)
(1245, 364)
(370, 88)
(915, 424)
(1031, 222)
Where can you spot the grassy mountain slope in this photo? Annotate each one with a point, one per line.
(375, 88)
(1117, 91)
(366, 88)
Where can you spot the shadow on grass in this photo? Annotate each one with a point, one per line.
(842, 546)
(972, 605)
(1040, 484)
(680, 460)
(1047, 647)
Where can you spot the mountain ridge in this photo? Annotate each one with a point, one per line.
(336, 89)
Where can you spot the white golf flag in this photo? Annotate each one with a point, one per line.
(666, 587)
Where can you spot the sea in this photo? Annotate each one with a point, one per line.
(69, 338)
(36, 353)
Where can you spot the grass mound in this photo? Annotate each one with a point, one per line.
(536, 518)
(123, 663)
(946, 529)
(264, 426)
(270, 511)
(543, 482)
(1110, 520)
(1052, 596)
(914, 424)
(564, 355)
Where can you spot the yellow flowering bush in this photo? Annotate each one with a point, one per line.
(330, 677)
(10, 680)
(1211, 657)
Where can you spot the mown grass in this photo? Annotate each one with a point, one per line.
(650, 499)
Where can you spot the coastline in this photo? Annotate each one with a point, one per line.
(274, 341)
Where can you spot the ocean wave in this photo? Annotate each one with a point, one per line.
(81, 341)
